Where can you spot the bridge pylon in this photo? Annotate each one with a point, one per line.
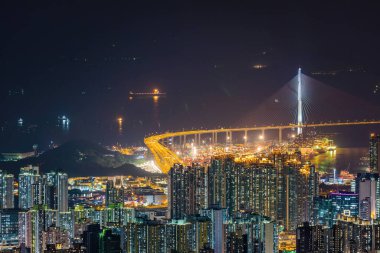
(299, 103)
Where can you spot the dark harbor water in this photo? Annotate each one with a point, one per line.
(350, 159)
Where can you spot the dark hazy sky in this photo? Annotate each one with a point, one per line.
(81, 58)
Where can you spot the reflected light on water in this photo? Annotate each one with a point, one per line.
(341, 159)
(120, 125)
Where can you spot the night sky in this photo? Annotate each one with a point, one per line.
(81, 58)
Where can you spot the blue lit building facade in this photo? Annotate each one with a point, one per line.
(326, 209)
(9, 226)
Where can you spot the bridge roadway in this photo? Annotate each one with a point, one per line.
(165, 158)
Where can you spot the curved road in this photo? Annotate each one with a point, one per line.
(165, 158)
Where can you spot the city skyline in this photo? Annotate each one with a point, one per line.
(157, 127)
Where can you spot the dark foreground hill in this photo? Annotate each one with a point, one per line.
(80, 158)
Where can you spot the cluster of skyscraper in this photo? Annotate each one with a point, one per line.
(346, 221)
(277, 189)
(154, 231)
(230, 205)
(42, 218)
(285, 190)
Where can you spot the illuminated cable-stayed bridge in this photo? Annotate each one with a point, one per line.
(165, 158)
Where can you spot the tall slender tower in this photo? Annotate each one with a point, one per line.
(299, 113)
(62, 193)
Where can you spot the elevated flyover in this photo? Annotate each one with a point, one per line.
(165, 158)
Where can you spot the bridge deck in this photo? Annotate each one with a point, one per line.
(165, 158)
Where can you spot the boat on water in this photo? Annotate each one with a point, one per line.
(154, 93)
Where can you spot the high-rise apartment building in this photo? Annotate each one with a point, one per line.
(155, 237)
(91, 238)
(345, 203)
(313, 191)
(292, 195)
(218, 217)
(237, 242)
(25, 229)
(32, 225)
(136, 237)
(109, 242)
(251, 232)
(179, 236)
(50, 190)
(218, 187)
(202, 227)
(349, 234)
(359, 235)
(6, 190)
(186, 190)
(28, 177)
(243, 186)
(62, 204)
(8, 227)
(258, 187)
(114, 193)
(38, 226)
(311, 238)
(374, 153)
(65, 221)
(368, 189)
(281, 188)
(327, 209)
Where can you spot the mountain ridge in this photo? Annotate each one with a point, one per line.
(79, 158)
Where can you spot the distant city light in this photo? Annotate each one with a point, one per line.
(120, 124)
(259, 66)
(20, 122)
(377, 88)
(194, 151)
(64, 122)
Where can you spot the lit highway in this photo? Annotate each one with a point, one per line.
(165, 158)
